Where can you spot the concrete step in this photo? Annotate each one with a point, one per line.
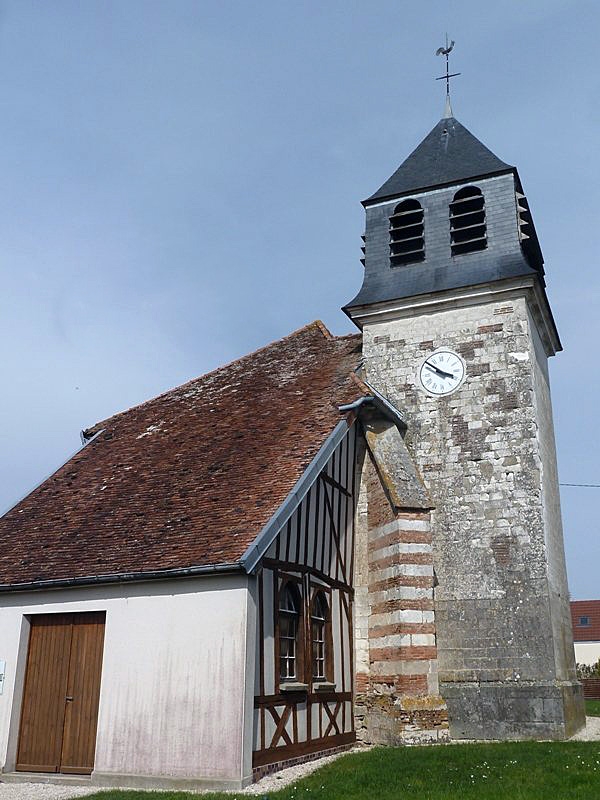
(45, 777)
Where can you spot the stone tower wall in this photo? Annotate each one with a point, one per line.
(487, 455)
(557, 574)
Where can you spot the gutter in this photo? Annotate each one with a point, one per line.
(356, 404)
(124, 577)
(380, 402)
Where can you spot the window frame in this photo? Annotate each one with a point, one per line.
(328, 671)
(308, 591)
(283, 581)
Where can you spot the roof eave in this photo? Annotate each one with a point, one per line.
(464, 296)
(377, 199)
(124, 577)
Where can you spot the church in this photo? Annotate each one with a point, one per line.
(332, 539)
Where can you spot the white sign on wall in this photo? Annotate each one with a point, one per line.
(2, 671)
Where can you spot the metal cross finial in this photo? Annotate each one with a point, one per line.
(445, 51)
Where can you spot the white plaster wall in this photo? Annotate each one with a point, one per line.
(175, 670)
(587, 652)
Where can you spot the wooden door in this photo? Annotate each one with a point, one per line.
(83, 695)
(42, 715)
(61, 695)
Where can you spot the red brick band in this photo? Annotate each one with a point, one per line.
(405, 537)
(401, 558)
(378, 631)
(423, 653)
(416, 581)
(387, 606)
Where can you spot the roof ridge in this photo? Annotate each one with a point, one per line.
(317, 324)
(322, 327)
(360, 383)
(355, 335)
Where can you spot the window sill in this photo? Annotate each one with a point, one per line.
(323, 686)
(293, 687)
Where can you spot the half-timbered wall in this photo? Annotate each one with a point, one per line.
(315, 551)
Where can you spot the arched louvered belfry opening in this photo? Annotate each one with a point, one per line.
(407, 233)
(467, 221)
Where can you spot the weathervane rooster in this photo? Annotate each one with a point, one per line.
(443, 51)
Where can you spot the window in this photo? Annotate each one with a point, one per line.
(290, 651)
(407, 233)
(319, 619)
(467, 221)
(584, 620)
(303, 635)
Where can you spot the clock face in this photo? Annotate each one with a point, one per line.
(442, 372)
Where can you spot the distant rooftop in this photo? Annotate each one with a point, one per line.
(585, 616)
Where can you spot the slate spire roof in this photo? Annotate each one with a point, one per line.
(448, 154)
(190, 478)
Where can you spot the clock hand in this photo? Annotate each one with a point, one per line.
(440, 371)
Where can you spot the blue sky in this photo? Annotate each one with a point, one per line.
(181, 184)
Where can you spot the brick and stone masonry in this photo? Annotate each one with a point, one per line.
(487, 456)
(396, 691)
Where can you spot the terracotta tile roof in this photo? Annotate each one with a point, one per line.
(190, 477)
(591, 610)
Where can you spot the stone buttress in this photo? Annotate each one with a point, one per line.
(396, 688)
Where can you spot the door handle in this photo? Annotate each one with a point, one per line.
(68, 697)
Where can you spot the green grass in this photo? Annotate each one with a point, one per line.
(592, 708)
(507, 771)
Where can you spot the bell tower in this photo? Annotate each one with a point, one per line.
(457, 332)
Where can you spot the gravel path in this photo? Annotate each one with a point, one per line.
(45, 791)
(591, 732)
(286, 776)
(41, 791)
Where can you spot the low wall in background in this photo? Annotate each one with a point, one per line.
(591, 688)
